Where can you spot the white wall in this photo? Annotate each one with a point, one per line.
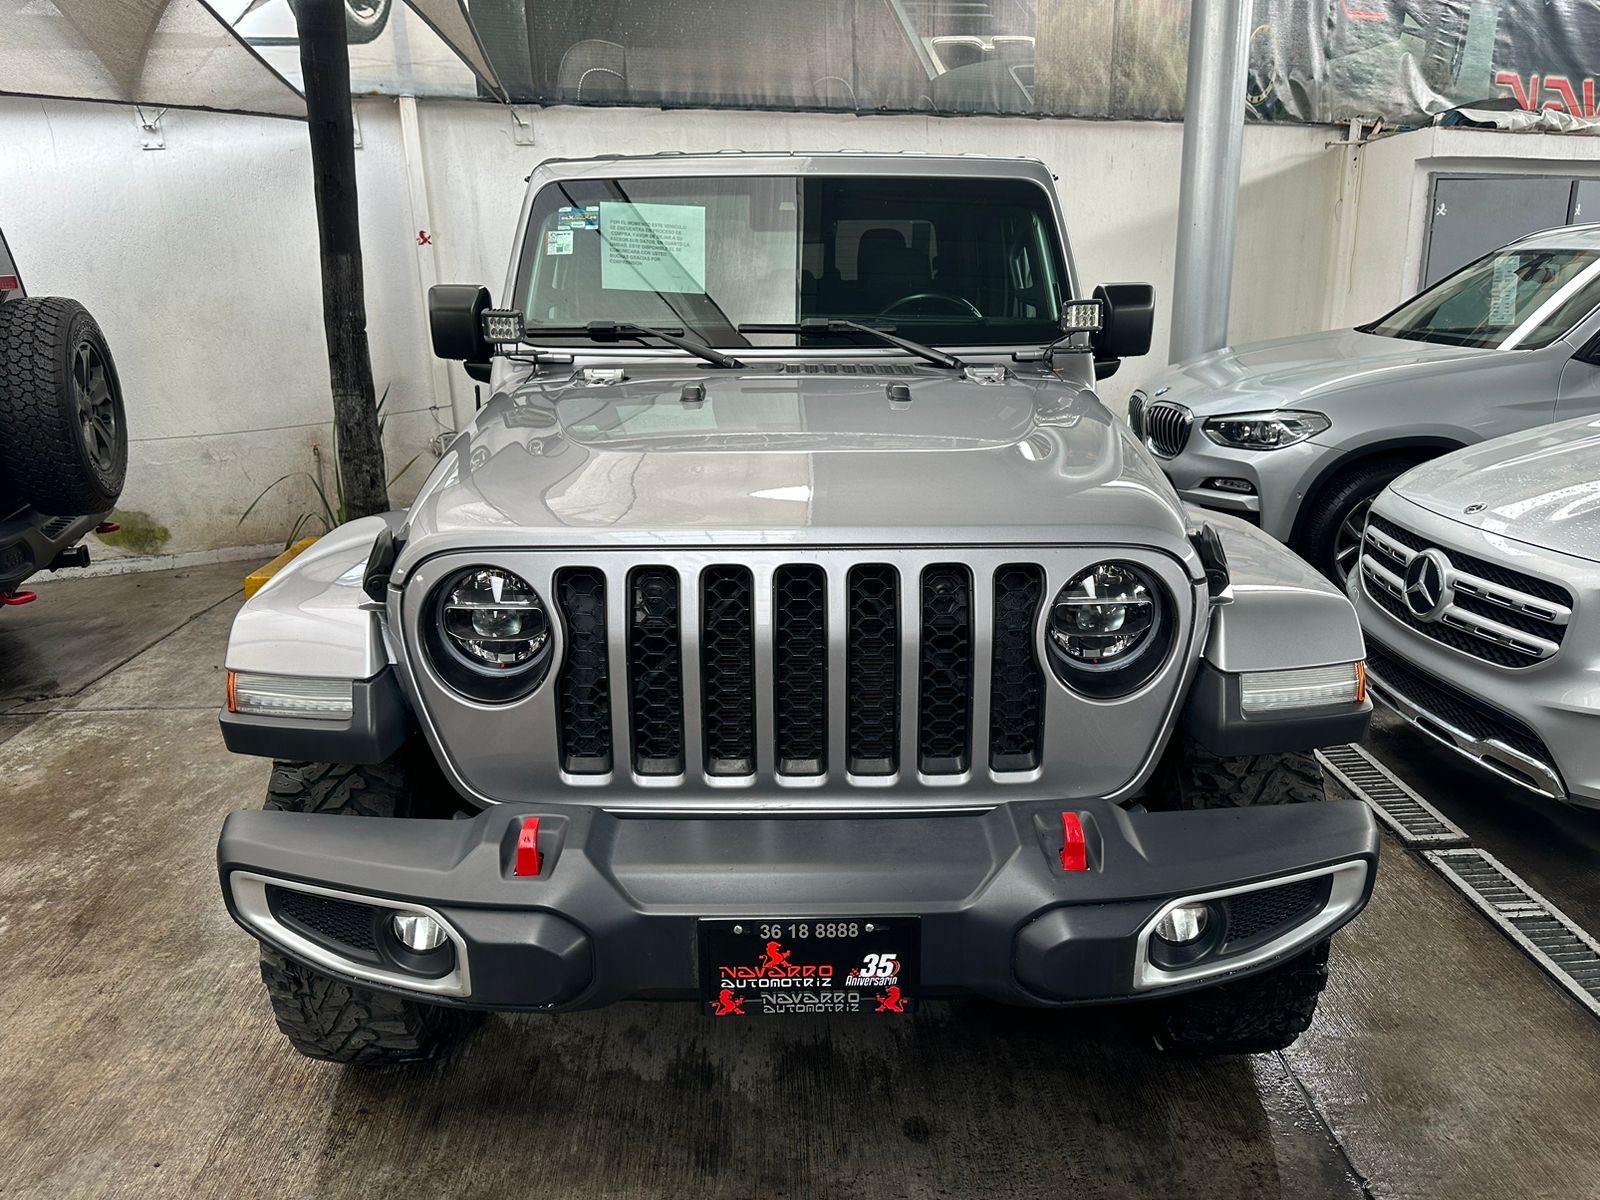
(1391, 189)
(200, 263)
(200, 259)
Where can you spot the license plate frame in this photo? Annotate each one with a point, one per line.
(791, 966)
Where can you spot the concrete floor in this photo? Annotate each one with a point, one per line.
(138, 1056)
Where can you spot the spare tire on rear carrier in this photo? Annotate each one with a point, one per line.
(63, 432)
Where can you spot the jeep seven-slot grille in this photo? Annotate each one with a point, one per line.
(800, 669)
(728, 670)
(944, 694)
(1016, 692)
(655, 671)
(583, 689)
(872, 666)
(927, 641)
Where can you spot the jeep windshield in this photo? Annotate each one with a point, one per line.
(962, 262)
(1523, 297)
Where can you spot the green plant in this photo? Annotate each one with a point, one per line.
(330, 512)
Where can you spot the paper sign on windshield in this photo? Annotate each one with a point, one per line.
(1503, 291)
(652, 247)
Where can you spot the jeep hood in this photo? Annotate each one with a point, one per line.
(1289, 371)
(782, 454)
(1541, 487)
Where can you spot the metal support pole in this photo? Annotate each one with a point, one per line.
(426, 239)
(1208, 194)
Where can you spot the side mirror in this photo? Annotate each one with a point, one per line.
(1130, 317)
(455, 319)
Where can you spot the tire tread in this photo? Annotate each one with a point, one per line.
(40, 444)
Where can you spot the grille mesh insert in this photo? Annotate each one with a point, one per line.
(800, 668)
(1255, 914)
(872, 670)
(944, 695)
(1467, 713)
(728, 670)
(655, 671)
(1016, 693)
(341, 921)
(583, 689)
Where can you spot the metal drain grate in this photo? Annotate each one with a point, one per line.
(1546, 934)
(1411, 818)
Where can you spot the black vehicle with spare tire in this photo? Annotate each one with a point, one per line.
(63, 431)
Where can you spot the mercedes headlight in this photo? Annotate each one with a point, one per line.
(489, 634)
(1109, 629)
(1264, 430)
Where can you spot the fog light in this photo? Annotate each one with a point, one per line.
(1228, 484)
(418, 932)
(1183, 924)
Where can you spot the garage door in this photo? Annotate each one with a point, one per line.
(1472, 216)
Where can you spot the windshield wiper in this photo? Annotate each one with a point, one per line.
(627, 329)
(882, 332)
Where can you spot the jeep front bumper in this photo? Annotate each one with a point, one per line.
(613, 913)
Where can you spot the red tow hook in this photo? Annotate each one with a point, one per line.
(1074, 848)
(13, 599)
(107, 527)
(528, 861)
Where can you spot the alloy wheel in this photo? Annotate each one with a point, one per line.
(97, 407)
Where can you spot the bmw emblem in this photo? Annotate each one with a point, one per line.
(1474, 508)
(1428, 589)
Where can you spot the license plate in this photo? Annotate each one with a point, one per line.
(772, 967)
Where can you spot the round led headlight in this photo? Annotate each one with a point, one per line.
(489, 634)
(1108, 629)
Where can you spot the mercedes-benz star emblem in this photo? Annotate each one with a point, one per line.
(1473, 508)
(1427, 585)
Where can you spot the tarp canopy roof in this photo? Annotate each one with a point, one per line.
(170, 53)
(163, 53)
(449, 19)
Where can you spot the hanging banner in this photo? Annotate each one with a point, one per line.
(1310, 60)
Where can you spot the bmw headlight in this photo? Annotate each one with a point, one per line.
(1264, 430)
(1109, 629)
(489, 634)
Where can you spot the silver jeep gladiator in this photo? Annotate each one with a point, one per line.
(793, 631)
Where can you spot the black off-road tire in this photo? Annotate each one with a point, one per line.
(63, 431)
(1338, 511)
(327, 1019)
(324, 1017)
(1197, 778)
(1257, 1015)
(377, 790)
(1262, 1012)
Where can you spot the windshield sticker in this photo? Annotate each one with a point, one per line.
(652, 247)
(558, 241)
(1503, 291)
(578, 218)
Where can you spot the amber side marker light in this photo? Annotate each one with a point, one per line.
(233, 693)
(1361, 681)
